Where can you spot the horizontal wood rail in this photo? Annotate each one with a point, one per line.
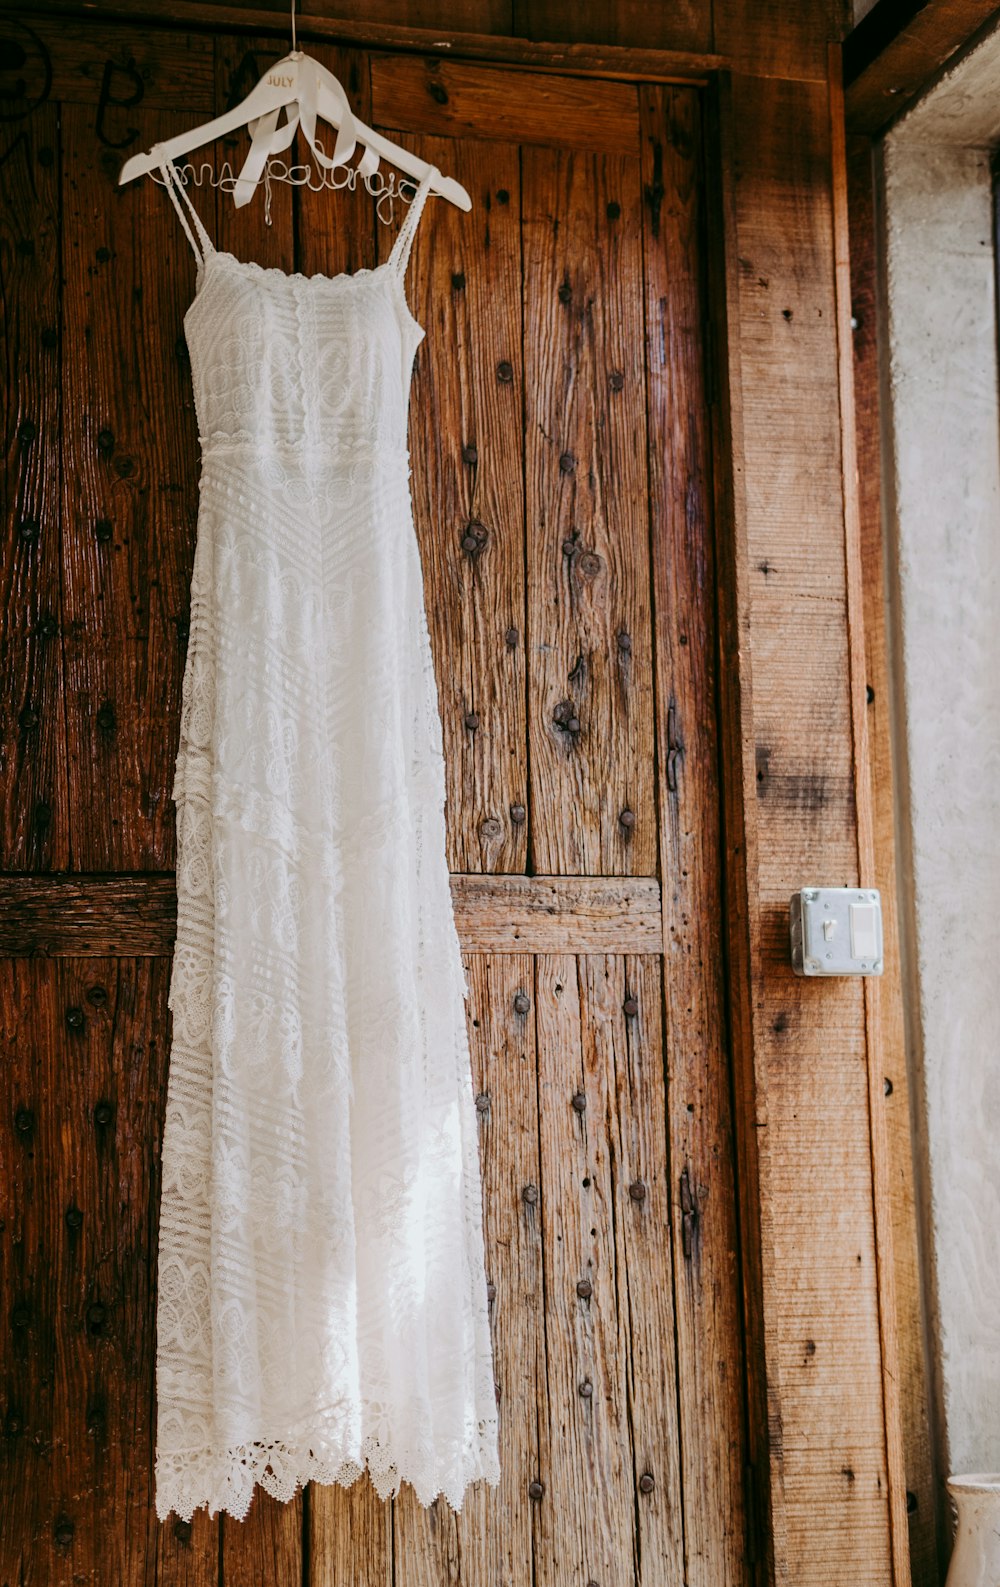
(73, 915)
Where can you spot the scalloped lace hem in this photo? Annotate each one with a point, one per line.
(226, 1481)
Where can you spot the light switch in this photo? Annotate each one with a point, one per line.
(836, 931)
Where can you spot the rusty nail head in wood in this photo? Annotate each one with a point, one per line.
(536, 1489)
(522, 1003)
(631, 1006)
(627, 819)
(586, 1389)
(182, 1531)
(491, 1292)
(584, 1288)
(646, 1482)
(579, 1101)
(530, 1194)
(637, 1190)
(471, 720)
(483, 1102)
(518, 814)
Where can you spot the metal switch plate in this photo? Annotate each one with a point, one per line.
(836, 931)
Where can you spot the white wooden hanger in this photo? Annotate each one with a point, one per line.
(306, 91)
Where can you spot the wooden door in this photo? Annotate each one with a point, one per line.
(559, 437)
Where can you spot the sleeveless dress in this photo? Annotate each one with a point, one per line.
(321, 1290)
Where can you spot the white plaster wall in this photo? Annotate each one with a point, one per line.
(943, 536)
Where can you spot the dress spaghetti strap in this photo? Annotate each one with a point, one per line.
(175, 186)
(400, 251)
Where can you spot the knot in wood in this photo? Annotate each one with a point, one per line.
(564, 716)
(637, 1190)
(647, 1482)
(458, 281)
(522, 1002)
(105, 441)
(565, 293)
(27, 530)
(26, 431)
(536, 1490)
(590, 564)
(530, 1195)
(518, 814)
(579, 1101)
(75, 1018)
(437, 91)
(182, 1531)
(491, 830)
(29, 718)
(584, 1288)
(613, 210)
(48, 627)
(43, 815)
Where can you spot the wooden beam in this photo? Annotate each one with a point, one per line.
(581, 60)
(78, 916)
(894, 51)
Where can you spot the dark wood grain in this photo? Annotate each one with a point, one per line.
(456, 100)
(463, 284)
(492, 1539)
(706, 1262)
(34, 831)
(129, 496)
(897, 48)
(80, 1141)
(590, 683)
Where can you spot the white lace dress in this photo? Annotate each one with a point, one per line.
(321, 1296)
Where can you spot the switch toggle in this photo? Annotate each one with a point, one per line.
(836, 931)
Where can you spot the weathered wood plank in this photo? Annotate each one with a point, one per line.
(266, 1546)
(350, 1536)
(822, 1286)
(33, 796)
(79, 1151)
(585, 1525)
(76, 60)
(909, 1306)
(129, 497)
(710, 1382)
(773, 39)
(455, 99)
(684, 25)
(767, 1550)
(624, 1046)
(864, 798)
(896, 49)
(465, 433)
(589, 639)
(84, 915)
(491, 1540)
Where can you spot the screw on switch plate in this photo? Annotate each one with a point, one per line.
(836, 931)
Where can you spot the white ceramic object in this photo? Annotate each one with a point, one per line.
(975, 1561)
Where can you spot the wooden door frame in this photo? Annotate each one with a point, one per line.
(39, 916)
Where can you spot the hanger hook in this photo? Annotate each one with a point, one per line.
(294, 43)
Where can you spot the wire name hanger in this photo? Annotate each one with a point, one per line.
(307, 92)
